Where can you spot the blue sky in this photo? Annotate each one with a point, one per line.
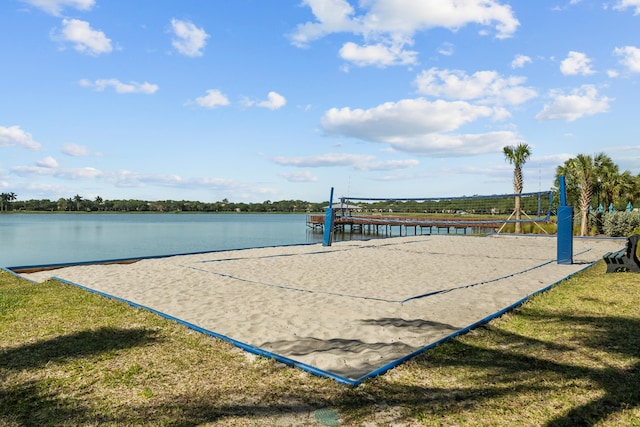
(254, 100)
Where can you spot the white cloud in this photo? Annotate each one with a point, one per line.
(84, 38)
(386, 26)
(54, 7)
(456, 145)
(14, 136)
(49, 170)
(361, 162)
(626, 156)
(392, 121)
(75, 150)
(227, 187)
(581, 102)
(418, 126)
(623, 4)
(520, 61)
(46, 190)
(446, 49)
(630, 57)
(333, 16)
(130, 179)
(551, 160)
(388, 165)
(119, 87)
(576, 63)
(324, 160)
(274, 101)
(560, 8)
(377, 54)
(303, 176)
(122, 178)
(213, 98)
(188, 39)
(484, 86)
(48, 162)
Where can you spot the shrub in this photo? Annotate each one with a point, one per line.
(596, 222)
(620, 224)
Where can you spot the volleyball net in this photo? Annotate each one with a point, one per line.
(488, 210)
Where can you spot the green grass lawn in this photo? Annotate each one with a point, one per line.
(569, 357)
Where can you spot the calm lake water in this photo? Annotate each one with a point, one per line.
(39, 239)
(42, 239)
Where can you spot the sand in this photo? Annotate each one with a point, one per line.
(349, 309)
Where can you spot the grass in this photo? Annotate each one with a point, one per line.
(569, 357)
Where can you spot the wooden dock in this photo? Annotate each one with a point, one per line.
(380, 224)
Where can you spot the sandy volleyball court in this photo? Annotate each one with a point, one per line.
(347, 310)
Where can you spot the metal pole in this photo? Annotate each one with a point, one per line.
(565, 228)
(328, 222)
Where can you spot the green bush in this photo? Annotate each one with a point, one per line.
(596, 222)
(621, 224)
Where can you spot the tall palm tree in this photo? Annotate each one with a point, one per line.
(4, 200)
(582, 172)
(517, 156)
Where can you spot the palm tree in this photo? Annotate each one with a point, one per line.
(624, 184)
(612, 186)
(517, 156)
(607, 176)
(582, 172)
(633, 190)
(77, 199)
(4, 199)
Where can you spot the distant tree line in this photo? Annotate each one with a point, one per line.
(591, 181)
(492, 205)
(80, 204)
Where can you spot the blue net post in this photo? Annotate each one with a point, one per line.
(565, 228)
(328, 222)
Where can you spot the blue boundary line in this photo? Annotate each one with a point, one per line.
(465, 330)
(8, 270)
(444, 291)
(247, 347)
(289, 288)
(412, 298)
(303, 366)
(134, 259)
(306, 367)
